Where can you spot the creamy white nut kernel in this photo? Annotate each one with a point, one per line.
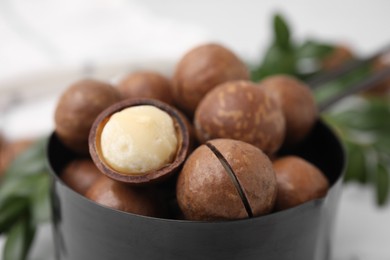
(139, 139)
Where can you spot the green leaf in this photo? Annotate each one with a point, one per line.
(314, 50)
(341, 84)
(309, 56)
(24, 200)
(40, 201)
(382, 184)
(11, 210)
(282, 33)
(276, 61)
(19, 240)
(370, 116)
(29, 162)
(356, 168)
(328, 91)
(383, 143)
(22, 187)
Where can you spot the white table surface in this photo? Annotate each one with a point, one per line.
(75, 36)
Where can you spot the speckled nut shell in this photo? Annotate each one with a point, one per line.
(297, 102)
(298, 181)
(200, 70)
(78, 108)
(79, 175)
(146, 84)
(151, 176)
(119, 196)
(240, 110)
(226, 179)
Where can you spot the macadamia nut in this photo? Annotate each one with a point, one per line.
(139, 139)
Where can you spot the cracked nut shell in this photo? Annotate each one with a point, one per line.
(206, 190)
(152, 176)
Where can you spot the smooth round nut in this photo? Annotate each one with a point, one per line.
(226, 179)
(123, 143)
(80, 174)
(340, 55)
(146, 84)
(119, 196)
(297, 103)
(241, 110)
(382, 88)
(78, 108)
(139, 139)
(298, 181)
(200, 70)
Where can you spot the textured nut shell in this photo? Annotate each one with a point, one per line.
(77, 109)
(297, 102)
(80, 174)
(254, 172)
(152, 176)
(205, 191)
(241, 110)
(200, 70)
(298, 181)
(193, 142)
(146, 84)
(119, 196)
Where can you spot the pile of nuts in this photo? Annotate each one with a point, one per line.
(200, 146)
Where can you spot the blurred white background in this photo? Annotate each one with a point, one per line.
(40, 37)
(37, 35)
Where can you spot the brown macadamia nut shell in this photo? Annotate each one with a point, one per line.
(151, 176)
(80, 174)
(297, 102)
(206, 191)
(200, 70)
(78, 108)
(146, 84)
(298, 181)
(119, 196)
(241, 110)
(337, 57)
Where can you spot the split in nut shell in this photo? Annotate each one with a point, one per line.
(139, 141)
(226, 179)
(195, 145)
